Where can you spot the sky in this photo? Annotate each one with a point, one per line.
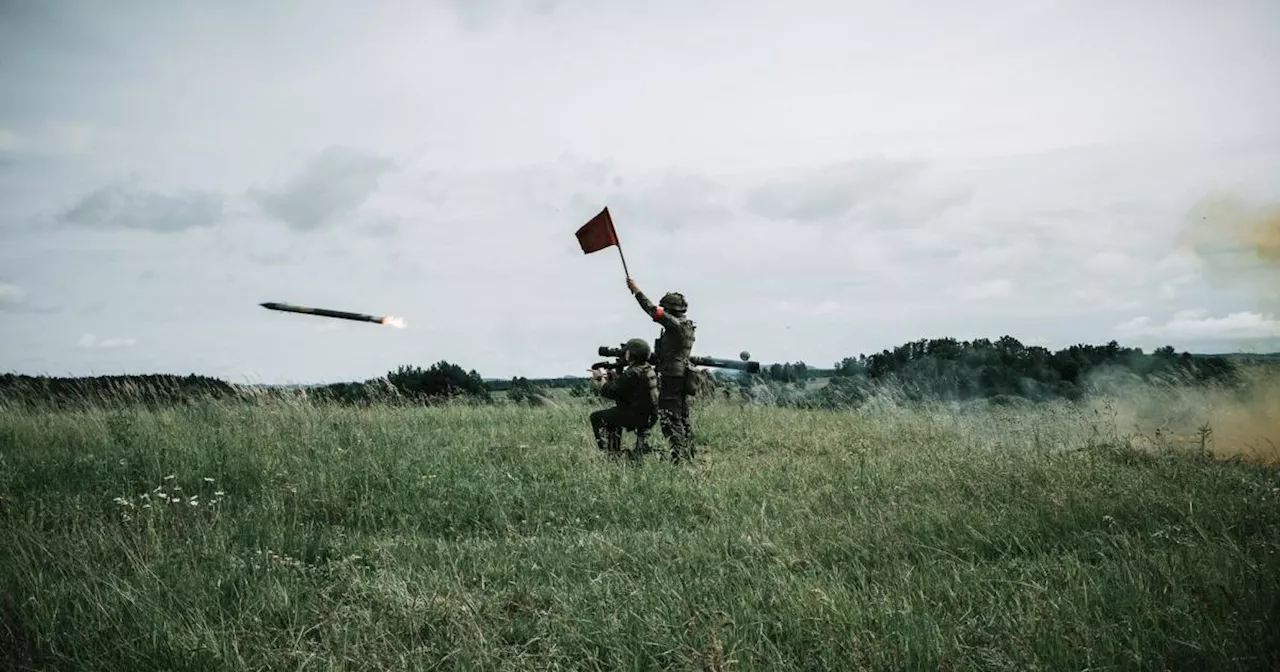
(819, 178)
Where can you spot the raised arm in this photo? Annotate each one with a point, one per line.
(656, 312)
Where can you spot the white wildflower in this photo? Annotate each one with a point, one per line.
(208, 480)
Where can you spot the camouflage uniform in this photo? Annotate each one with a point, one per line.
(673, 349)
(635, 392)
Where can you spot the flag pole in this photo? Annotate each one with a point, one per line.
(624, 261)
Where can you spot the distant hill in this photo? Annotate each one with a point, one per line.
(1243, 356)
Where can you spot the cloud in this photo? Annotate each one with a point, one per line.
(272, 258)
(1109, 261)
(91, 341)
(1197, 324)
(1104, 297)
(1171, 288)
(995, 289)
(74, 138)
(869, 187)
(17, 299)
(673, 201)
(12, 297)
(827, 307)
(55, 139)
(483, 14)
(832, 191)
(383, 227)
(334, 184)
(125, 207)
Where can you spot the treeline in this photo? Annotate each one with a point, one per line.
(982, 368)
(1000, 371)
(942, 368)
(442, 382)
(151, 389)
(563, 382)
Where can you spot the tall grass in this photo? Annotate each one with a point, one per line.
(300, 536)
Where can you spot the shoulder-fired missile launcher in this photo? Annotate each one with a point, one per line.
(716, 362)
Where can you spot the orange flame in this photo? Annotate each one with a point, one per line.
(392, 321)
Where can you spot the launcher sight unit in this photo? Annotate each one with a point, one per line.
(694, 360)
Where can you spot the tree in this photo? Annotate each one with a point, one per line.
(522, 391)
(849, 367)
(443, 379)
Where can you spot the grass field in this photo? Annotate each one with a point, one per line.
(292, 537)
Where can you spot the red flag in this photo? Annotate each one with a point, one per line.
(598, 233)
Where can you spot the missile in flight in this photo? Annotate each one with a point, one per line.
(389, 320)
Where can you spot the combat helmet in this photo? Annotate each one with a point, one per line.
(674, 303)
(639, 349)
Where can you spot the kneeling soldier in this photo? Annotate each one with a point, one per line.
(634, 391)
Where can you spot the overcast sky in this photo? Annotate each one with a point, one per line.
(820, 179)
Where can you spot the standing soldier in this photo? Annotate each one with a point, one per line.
(675, 379)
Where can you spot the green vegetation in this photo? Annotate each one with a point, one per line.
(940, 369)
(290, 532)
(944, 368)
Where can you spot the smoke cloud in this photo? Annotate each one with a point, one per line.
(1236, 243)
(333, 185)
(124, 206)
